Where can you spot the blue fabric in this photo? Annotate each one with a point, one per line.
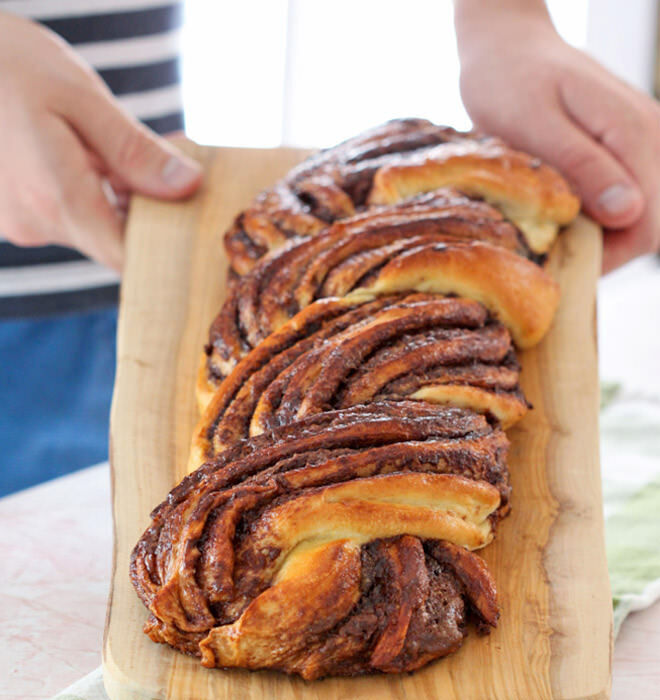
(56, 377)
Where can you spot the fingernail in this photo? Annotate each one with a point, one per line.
(179, 173)
(617, 199)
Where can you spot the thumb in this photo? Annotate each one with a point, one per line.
(146, 162)
(608, 192)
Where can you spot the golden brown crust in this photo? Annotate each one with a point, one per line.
(530, 194)
(326, 187)
(393, 163)
(391, 251)
(247, 550)
(438, 349)
(474, 575)
(205, 386)
(518, 293)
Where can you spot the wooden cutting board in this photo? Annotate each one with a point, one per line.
(554, 638)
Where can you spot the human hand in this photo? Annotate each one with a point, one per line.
(522, 82)
(64, 142)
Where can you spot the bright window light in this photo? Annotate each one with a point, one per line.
(311, 73)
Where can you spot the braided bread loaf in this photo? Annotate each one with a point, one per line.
(395, 162)
(340, 353)
(286, 551)
(442, 243)
(350, 456)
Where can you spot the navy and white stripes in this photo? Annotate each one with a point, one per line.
(135, 47)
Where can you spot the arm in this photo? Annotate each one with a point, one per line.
(61, 136)
(521, 81)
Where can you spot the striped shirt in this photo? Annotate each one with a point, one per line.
(135, 47)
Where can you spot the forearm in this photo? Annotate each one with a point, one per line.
(477, 21)
(472, 12)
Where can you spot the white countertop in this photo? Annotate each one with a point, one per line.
(56, 545)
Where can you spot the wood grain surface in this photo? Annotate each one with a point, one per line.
(554, 637)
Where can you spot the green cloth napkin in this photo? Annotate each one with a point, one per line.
(630, 460)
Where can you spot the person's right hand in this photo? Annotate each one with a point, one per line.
(521, 81)
(64, 141)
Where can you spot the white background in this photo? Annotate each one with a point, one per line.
(313, 72)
